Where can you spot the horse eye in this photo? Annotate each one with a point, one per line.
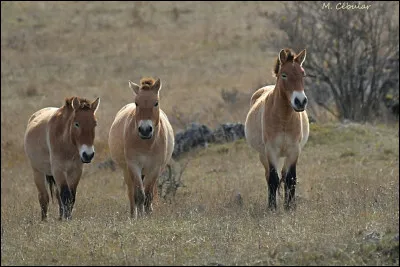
(156, 104)
(76, 124)
(284, 76)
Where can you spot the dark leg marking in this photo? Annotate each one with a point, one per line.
(67, 197)
(273, 183)
(290, 185)
(43, 207)
(50, 180)
(147, 202)
(59, 203)
(139, 196)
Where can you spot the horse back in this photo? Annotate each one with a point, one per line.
(116, 141)
(256, 95)
(35, 139)
(255, 118)
(168, 132)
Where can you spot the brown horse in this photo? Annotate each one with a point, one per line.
(277, 124)
(57, 142)
(141, 141)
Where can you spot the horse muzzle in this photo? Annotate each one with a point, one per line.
(149, 136)
(299, 109)
(145, 132)
(299, 101)
(87, 158)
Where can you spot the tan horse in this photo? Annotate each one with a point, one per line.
(57, 142)
(141, 141)
(277, 124)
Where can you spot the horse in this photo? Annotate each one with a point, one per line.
(277, 124)
(141, 141)
(57, 142)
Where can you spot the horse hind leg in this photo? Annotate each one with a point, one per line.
(51, 182)
(43, 195)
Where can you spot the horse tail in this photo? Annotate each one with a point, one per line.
(50, 180)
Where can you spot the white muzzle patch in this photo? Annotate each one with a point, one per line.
(86, 153)
(146, 129)
(298, 100)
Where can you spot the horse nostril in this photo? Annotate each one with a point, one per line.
(297, 102)
(305, 101)
(150, 129)
(87, 157)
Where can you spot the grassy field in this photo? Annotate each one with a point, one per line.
(348, 174)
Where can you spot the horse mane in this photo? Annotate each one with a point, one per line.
(290, 56)
(84, 103)
(147, 82)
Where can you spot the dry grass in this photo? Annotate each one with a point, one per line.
(340, 201)
(348, 174)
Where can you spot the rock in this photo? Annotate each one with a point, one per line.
(228, 132)
(396, 237)
(372, 237)
(198, 135)
(195, 135)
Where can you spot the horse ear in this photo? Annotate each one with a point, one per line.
(301, 57)
(157, 85)
(75, 103)
(135, 88)
(95, 104)
(282, 56)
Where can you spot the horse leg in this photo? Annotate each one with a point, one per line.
(290, 180)
(65, 193)
(136, 194)
(290, 186)
(149, 190)
(59, 203)
(129, 183)
(272, 178)
(43, 194)
(73, 181)
(67, 198)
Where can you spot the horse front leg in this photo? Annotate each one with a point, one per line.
(290, 186)
(271, 175)
(60, 208)
(67, 197)
(66, 191)
(133, 178)
(290, 179)
(150, 190)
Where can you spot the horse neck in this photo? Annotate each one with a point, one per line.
(64, 125)
(281, 106)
